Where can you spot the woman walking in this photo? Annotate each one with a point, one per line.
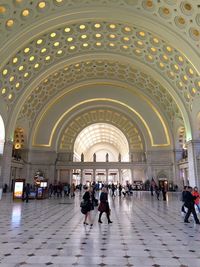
(87, 206)
(104, 205)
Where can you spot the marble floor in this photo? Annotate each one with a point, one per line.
(145, 232)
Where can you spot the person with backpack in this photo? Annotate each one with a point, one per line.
(87, 206)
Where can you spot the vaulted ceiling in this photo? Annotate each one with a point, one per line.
(137, 58)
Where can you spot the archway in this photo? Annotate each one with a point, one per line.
(100, 139)
(102, 142)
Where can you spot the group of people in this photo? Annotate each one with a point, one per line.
(59, 190)
(158, 189)
(191, 199)
(125, 190)
(89, 201)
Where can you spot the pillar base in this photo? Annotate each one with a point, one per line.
(1, 192)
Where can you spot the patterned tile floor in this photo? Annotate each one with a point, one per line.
(145, 232)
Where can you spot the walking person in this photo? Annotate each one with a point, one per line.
(66, 190)
(72, 190)
(189, 204)
(104, 205)
(87, 206)
(50, 190)
(123, 191)
(183, 198)
(27, 192)
(197, 200)
(120, 189)
(113, 189)
(157, 191)
(152, 186)
(164, 192)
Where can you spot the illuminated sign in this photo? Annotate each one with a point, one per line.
(18, 189)
(43, 184)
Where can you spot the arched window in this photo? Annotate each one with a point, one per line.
(2, 135)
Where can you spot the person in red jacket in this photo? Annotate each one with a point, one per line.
(189, 204)
(197, 199)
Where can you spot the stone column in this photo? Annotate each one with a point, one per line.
(177, 177)
(193, 147)
(120, 176)
(94, 175)
(149, 170)
(81, 178)
(107, 176)
(187, 182)
(132, 176)
(131, 157)
(70, 176)
(58, 175)
(6, 163)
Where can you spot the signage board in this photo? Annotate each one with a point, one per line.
(43, 184)
(18, 189)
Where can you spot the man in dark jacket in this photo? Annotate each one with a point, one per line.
(189, 204)
(183, 199)
(27, 192)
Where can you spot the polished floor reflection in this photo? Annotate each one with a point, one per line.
(145, 232)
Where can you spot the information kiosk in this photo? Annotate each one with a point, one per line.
(42, 191)
(18, 188)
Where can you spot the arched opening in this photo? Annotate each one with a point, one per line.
(98, 143)
(2, 135)
(101, 142)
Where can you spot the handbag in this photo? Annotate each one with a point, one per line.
(92, 206)
(83, 204)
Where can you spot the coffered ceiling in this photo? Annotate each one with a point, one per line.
(51, 47)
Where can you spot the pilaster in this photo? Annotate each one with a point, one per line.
(106, 176)
(178, 178)
(193, 147)
(81, 177)
(6, 163)
(120, 176)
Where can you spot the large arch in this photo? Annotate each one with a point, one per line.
(160, 41)
(63, 106)
(140, 78)
(148, 60)
(99, 115)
